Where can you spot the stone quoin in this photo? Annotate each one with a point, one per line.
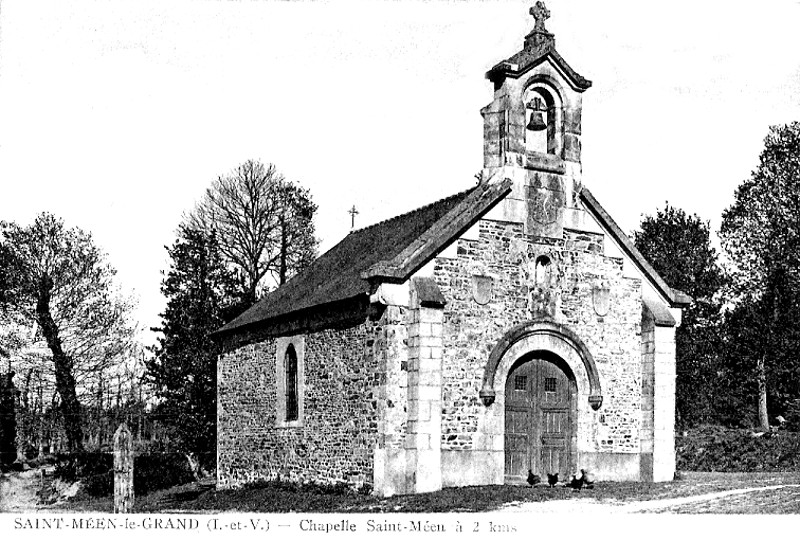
(509, 327)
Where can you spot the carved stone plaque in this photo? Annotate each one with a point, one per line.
(601, 298)
(482, 288)
(544, 204)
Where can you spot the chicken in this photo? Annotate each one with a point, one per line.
(533, 479)
(587, 479)
(552, 479)
(575, 484)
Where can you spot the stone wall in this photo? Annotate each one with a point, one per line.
(648, 359)
(361, 424)
(339, 428)
(391, 349)
(246, 395)
(507, 255)
(664, 404)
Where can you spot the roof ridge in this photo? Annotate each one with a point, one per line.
(404, 214)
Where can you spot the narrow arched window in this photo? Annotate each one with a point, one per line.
(290, 362)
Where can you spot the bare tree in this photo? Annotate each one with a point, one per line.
(296, 243)
(264, 224)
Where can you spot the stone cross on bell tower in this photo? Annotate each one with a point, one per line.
(539, 34)
(540, 14)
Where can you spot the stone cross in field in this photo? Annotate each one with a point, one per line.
(123, 470)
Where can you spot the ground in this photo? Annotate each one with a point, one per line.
(692, 493)
(18, 491)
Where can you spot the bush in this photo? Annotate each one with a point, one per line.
(65, 469)
(99, 485)
(156, 471)
(793, 415)
(46, 459)
(95, 470)
(714, 448)
(70, 467)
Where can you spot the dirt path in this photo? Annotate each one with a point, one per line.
(736, 500)
(18, 491)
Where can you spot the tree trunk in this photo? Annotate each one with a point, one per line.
(8, 424)
(761, 378)
(99, 416)
(65, 381)
(139, 410)
(252, 290)
(25, 432)
(761, 370)
(39, 411)
(284, 252)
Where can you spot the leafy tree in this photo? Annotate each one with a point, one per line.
(264, 224)
(679, 248)
(746, 325)
(202, 295)
(761, 235)
(62, 282)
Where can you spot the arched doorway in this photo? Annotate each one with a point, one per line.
(540, 413)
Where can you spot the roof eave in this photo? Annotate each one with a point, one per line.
(660, 315)
(304, 313)
(506, 68)
(676, 299)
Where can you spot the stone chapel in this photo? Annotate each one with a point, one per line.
(511, 326)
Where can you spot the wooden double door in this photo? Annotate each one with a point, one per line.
(539, 419)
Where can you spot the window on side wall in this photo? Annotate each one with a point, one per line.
(289, 381)
(290, 362)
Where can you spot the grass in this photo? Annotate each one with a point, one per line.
(282, 498)
(773, 461)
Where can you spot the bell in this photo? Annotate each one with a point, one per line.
(537, 122)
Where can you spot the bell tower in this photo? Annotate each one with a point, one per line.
(532, 132)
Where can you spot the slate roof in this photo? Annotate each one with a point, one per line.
(390, 250)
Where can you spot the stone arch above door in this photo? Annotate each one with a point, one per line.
(543, 336)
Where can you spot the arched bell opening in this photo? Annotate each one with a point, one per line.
(543, 118)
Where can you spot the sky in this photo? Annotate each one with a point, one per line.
(116, 116)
